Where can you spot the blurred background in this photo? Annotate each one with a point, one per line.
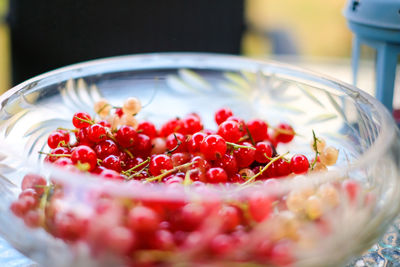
(37, 36)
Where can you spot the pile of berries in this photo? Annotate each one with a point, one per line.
(186, 158)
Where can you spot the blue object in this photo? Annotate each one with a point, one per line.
(376, 23)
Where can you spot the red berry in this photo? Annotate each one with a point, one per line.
(126, 136)
(112, 162)
(80, 119)
(258, 130)
(171, 126)
(160, 163)
(148, 129)
(282, 167)
(200, 163)
(142, 219)
(263, 152)
(236, 178)
(106, 148)
(260, 206)
(222, 114)
(180, 158)
(97, 133)
(176, 142)
(142, 146)
(34, 181)
(299, 164)
(84, 157)
(230, 131)
(193, 144)
(57, 138)
(213, 147)
(284, 133)
(216, 175)
(191, 124)
(230, 217)
(228, 163)
(82, 136)
(244, 156)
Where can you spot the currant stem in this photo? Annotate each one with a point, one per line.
(178, 143)
(166, 173)
(315, 146)
(55, 155)
(250, 136)
(137, 166)
(283, 131)
(252, 178)
(83, 120)
(68, 130)
(236, 146)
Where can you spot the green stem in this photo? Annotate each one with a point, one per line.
(166, 173)
(68, 130)
(236, 146)
(252, 178)
(315, 146)
(250, 136)
(137, 166)
(55, 155)
(83, 120)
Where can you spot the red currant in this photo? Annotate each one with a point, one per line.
(143, 146)
(191, 124)
(176, 142)
(84, 157)
(193, 144)
(160, 163)
(228, 163)
(216, 175)
(258, 130)
(244, 156)
(97, 133)
(230, 131)
(263, 152)
(222, 114)
(112, 162)
(81, 120)
(284, 133)
(299, 164)
(106, 148)
(282, 167)
(213, 147)
(126, 136)
(57, 138)
(171, 126)
(148, 129)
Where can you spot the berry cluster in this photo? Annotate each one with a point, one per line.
(190, 221)
(119, 147)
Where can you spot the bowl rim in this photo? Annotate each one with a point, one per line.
(375, 151)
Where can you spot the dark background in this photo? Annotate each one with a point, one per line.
(48, 34)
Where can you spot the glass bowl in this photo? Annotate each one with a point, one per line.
(364, 180)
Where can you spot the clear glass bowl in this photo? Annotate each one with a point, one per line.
(177, 84)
